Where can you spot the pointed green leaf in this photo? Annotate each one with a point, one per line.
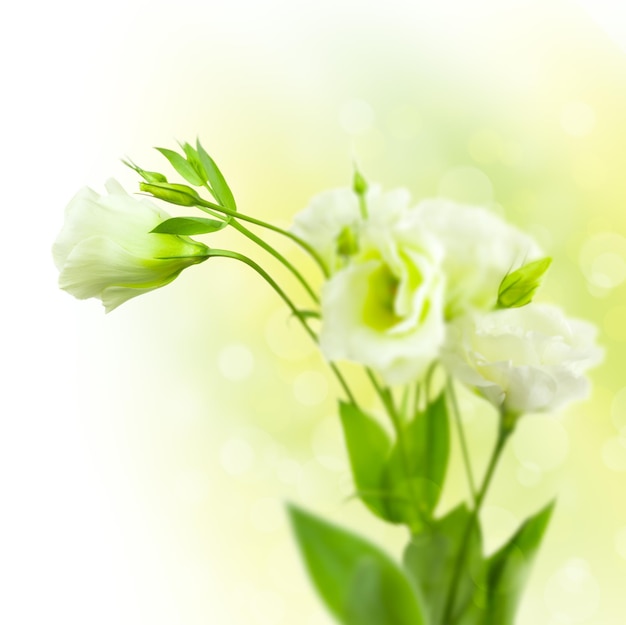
(431, 559)
(194, 160)
(418, 471)
(510, 566)
(358, 582)
(181, 165)
(218, 183)
(189, 226)
(368, 447)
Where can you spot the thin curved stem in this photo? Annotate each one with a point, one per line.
(461, 432)
(204, 204)
(504, 432)
(276, 254)
(212, 252)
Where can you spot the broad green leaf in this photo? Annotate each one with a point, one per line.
(181, 165)
(519, 287)
(509, 568)
(416, 472)
(218, 183)
(189, 226)
(368, 447)
(359, 583)
(431, 559)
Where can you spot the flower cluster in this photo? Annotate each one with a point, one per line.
(407, 288)
(411, 285)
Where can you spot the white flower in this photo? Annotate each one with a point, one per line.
(385, 308)
(331, 213)
(105, 248)
(528, 359)
(480, 249)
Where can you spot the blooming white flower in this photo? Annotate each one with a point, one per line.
(106, 250)
(529, 359)
(480, 249)
(385, 308)
(332, 213)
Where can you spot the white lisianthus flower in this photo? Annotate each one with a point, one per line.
(333, 214)
(529, 359)
(480, 249)
(106, 250)
(385, 308)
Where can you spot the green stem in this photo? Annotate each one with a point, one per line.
(507, 426)
(387, 400)
(461, 432)
(268, 248)
(204, 204)
(296, 312)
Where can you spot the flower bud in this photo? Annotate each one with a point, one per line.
(347, 242)
(518, 287)
(148, 176)
(106, 248)
(359, 184)
(179, 194)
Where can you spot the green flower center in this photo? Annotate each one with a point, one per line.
(378, 309)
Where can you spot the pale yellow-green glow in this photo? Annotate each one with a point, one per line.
(144, 469)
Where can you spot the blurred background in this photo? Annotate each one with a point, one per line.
(145, 455)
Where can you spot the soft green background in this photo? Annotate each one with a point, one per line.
(146, 454)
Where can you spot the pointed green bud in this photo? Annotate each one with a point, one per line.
(148, 176)
(518, 287)
(173, 193)
(359, 184)
(347, 242)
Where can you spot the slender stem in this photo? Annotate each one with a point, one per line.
(461, 432)
(204, 204)
(506, 428)
(416, 399)
(428, 378)
(248, 261)
(276, 254)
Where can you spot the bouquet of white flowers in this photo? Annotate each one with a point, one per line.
(423, 297)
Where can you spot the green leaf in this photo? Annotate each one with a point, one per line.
(309, 314)
(519, 287)
(368, 447)
(418, 471)
(194, 160)
(508, 568)
(219, 186)
(181, 165)
(189, 226)
(359, 583)
(431, 559)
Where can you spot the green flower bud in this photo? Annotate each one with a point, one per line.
(149, 176)
(518, 288)
(359, 184)
(179, 194)
(347, 242)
